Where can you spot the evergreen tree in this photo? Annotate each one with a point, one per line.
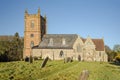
(11, 48)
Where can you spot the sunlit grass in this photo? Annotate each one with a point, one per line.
(58, 70)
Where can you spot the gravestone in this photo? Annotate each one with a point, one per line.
(84, 75)
(31, 59)
(71, 59)
(44, 62)
(68, 59)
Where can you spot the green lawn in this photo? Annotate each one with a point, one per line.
(57, 70)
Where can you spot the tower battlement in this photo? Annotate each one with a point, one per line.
(35, 28)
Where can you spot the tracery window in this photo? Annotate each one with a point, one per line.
(78, 48)
(100, 54)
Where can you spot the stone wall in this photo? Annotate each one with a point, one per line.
(54, 54)
(86, 52)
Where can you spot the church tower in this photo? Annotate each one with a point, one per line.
(35, 28)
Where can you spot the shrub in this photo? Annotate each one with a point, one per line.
(117, 58)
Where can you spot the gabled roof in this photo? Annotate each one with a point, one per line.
(99, 44)
(57, 41)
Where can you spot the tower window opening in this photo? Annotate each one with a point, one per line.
(32, 24)
(31, 44)
(32, 35)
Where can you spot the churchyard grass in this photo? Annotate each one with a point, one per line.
(57, 70)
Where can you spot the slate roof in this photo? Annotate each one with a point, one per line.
(69, 42)
(57, 41)
(99, 43)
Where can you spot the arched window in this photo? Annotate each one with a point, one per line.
(78, 48)
(100, 54)
(32, 24)
(61, 54)
(31, 44)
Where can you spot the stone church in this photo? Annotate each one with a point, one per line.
(37, 43)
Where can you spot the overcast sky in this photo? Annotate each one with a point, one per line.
(96, 18)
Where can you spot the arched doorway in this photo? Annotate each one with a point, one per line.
(79, 58)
